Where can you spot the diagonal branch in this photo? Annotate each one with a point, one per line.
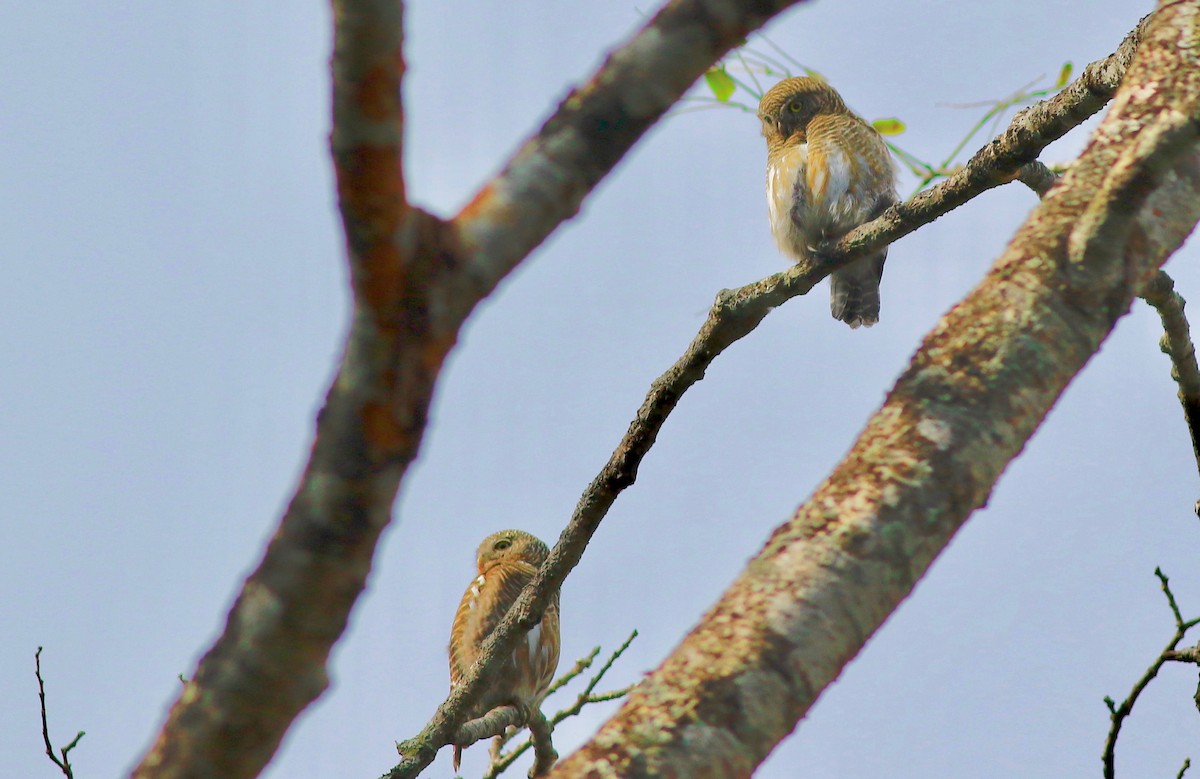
(415, 280)
(973, 395)
(734, 315)
(1000, 161)
(595, 125)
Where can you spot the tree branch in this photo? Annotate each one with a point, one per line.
(734, 314)
(1177, 344)
(976, 390)
(545, 182)
(500, 762)
(1117, 714)
(63, 763)
(541, 733)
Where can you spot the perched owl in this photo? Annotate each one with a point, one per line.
(828, 172)
(506, 561)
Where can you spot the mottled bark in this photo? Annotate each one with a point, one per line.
(415, 280)
(737, 312)
(973, 394)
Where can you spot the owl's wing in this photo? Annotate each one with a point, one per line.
(546, 659)
(483, 605)
(849, 171)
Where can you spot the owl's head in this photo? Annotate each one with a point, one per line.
(788, 107)
(511, 546)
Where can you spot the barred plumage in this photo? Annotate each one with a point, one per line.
(506, 562)
(828, 171)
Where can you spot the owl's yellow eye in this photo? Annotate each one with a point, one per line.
(794, 107)
(502, 544)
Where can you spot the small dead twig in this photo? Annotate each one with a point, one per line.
(503, 760)
(1117, 714)
(64, 764)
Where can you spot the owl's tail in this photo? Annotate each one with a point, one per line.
(457, 757)
(854, 291)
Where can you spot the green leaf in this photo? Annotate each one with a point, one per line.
(720, 83)
(1064, 75)
(891, 126)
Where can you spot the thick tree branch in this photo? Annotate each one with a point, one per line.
(735, 314)
(270, 661)
(976, 390)
(595, 125)
(1030, 131)
(415, 280)
(1177, 344)
(538, 189)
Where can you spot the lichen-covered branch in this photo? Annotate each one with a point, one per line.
(1117, 714)
(270, 661)
(998, 162)
(974, 393)
(541, 734)
(595, 125)
(1177, 344)
(491, 724)
(735, 314)
(415, 280)
(1037, 177)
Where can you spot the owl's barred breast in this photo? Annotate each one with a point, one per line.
(821, 189)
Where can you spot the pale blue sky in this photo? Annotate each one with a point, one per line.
(175, 304)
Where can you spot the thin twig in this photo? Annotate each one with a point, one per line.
(581, 665)
(1187, 763)
(504, 760)
(64, 764)
(1117, 714)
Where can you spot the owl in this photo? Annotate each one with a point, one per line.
(828, 171)
(506, 562)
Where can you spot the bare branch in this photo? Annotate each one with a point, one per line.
(581, 665)
(1030, 131)
(976, 390)
(1177, 344)
(1117, 714)
(734, 315)
(541, 733)
(546, 180)
(415, 280)
(491, 724)
(270, 661)
(500, 762)
(1037, 177)
(63, 763)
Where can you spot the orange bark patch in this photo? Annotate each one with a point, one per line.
(378, 93)
(371, 188)
(382, 277)
(381, 430)
(480, 202)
